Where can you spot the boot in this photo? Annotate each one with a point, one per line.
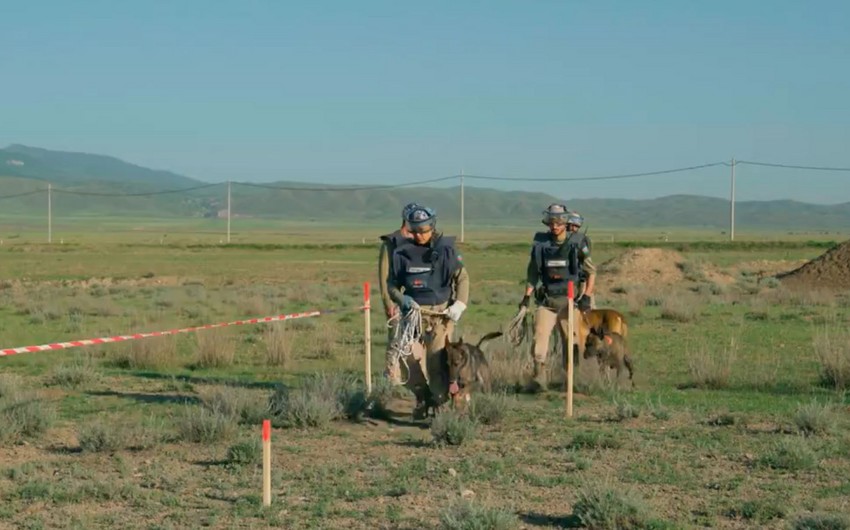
(538, 382)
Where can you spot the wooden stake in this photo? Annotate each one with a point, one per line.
(267, 463)
(570, 329)
(367, 336)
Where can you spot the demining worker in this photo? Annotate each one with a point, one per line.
(558, 256)
(427, 273)
(389, 242)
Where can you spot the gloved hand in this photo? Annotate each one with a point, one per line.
(408, 303)
(525, 300)
(583, 303)
(455, 310)
(392, 311)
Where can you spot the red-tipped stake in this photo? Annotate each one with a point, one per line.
(367, 336)
(267, 463)
(570, 330)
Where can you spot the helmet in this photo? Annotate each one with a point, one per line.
(407, 209)
(421, 216)
(574, 218)
(555, 212)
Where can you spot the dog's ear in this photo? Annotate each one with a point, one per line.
(460, 340)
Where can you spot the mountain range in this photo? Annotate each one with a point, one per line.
(87, 185)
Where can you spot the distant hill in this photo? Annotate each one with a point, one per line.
(60, 167)
(89, 177)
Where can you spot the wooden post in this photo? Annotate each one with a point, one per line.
(367, 337)
(267, 463)
(570, 329)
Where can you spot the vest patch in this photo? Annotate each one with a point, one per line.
(556, 263)
(418, 270)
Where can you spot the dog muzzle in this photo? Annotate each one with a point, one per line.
(454, 388)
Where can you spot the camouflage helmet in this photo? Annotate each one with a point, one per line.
(409, 207)
(555, 212)
(575, 218)
(421, 216)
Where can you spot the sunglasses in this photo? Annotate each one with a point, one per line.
(421, 230)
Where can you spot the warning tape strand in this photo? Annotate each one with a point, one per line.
(120, 338)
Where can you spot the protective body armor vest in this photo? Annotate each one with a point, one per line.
(426, 272)
(393, 241)
(558, 263)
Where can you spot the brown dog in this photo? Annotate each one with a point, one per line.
(467, 368)
(608, 319)
(610, 350)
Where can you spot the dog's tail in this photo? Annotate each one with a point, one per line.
(489, 336)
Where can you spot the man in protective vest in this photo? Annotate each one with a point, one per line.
(428, 273)
(558, 256)
(389, 242)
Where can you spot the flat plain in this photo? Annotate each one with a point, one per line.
(738, 418)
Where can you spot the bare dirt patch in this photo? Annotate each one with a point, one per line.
(653, 266)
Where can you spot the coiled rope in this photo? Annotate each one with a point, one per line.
(407, 332)
(517, 329)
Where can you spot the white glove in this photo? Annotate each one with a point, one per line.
(455, 310)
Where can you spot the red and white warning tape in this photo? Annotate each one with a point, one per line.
(121, 338)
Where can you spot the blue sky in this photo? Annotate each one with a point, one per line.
(386, 91)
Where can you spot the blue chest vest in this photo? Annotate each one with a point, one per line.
(426, 272)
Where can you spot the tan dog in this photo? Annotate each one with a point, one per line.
(608, 319)
(467, 368)
(610, 351)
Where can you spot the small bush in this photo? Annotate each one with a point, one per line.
(278, 345)
(626, 410)
(74, 374)
(153, 353)
(10, 386)
(242, 405)
(711, 367)
(322, 399)
(820, 521)
(450, 428)
(466, 515)
(832, 351)
(507, 370)
(382, 392)
(815, 418)
(245, 453)
(791, 454)
(603, 507)
(759, 511)
(216, 348)
(23, 416)
(490, 409)
(679, 309)
(98, 437)
(204, 425)
(658, 411)
(692, 270)
(594, 440)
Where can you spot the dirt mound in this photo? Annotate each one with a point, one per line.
(650, 266)
(830, 270)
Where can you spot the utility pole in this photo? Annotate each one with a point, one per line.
(228, 211)
(50, 213)
(732, 205)
(461, 206)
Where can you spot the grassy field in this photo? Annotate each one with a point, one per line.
(739, 417)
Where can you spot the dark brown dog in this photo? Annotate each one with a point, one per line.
(610, 350)
(467, 368)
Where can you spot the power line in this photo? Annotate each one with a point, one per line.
(140, 194)
(605, 177)
(790, 166)
(351, 188)
(24, 194)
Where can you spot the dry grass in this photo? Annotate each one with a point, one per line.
(278, 345)
(710, 366)
(682, 308)
(154, 353)
(216, 348)
(832, 351)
